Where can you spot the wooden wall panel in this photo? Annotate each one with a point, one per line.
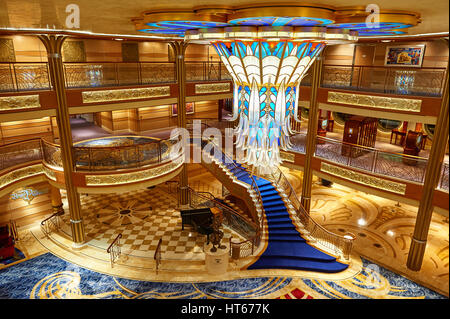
(27, 129)
(24, 213)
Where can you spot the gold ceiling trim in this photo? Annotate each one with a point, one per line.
(19, 174)
(364, 179)
(134, 177)
(379, 102)
(19, 102)
(212, 88)
(125, 94)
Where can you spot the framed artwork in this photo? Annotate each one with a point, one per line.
(190, 108)
(174, 109)
(405, 55)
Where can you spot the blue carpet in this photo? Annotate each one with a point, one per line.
(47, 276)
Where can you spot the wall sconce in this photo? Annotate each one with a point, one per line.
(350, 131)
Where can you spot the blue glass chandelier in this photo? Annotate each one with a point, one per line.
(266, 78)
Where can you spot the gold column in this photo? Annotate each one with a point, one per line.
(179, 49)
(432, 176)
(311, 133)
(53, 45)
(55, 197)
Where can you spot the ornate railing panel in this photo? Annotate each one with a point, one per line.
(114, 249)
(113, 157)
(401, 166)
(20, 152)
(443, 182)
(21, 76)
(51, 223)
(206, 71)
(390, 80)
(103, 74)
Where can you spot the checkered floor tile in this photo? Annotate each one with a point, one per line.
(143, 217)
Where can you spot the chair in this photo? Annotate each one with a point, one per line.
(6, 243)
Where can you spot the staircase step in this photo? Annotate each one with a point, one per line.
(266, 188)
(268, 198)
(271, 191)
(279, 221)
(298, 264)
(283, 232)
(286, 238)
(276, 203)
(277, 215)
(296, 250)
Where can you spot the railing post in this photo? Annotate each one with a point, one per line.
(15, 77)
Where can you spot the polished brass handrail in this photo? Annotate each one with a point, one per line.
(340, 245)
(157, 255)
(114, 250)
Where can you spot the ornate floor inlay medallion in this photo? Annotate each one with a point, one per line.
(124, 213)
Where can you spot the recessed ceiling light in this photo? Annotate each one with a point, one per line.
(386, 40)
(362, 222)
(118, 39)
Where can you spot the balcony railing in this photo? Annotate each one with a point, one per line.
(24, 77)
(21, 76)
(18, 76)
(389, 164)
(390, 80)
(102, 74)
(103, 158)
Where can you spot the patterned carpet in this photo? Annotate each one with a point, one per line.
(47, 276)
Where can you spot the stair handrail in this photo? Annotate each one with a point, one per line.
(341, 245)
(114, 249)
(157, 255)
(253, 185)
(54, 219)
(218, 203)
(252, 241)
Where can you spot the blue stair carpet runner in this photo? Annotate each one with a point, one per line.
(286, 249)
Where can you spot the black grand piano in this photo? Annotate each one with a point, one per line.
(201, 219)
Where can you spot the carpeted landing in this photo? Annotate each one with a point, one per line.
(286, 248)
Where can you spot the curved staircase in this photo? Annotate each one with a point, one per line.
(286, 247)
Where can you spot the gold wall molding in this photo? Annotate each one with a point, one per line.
(212, 88)
(7, 53)
(125, 94)
(364, 179)
(118, 179)
(19, 102)
(19, 174)
(288, 157)
(49, 173)
(73, 51)
(380, 102)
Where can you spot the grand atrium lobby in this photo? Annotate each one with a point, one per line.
(224, 150)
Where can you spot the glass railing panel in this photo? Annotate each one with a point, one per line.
(443, 182)
(401, 166)
(158, 73)
(19, 153)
